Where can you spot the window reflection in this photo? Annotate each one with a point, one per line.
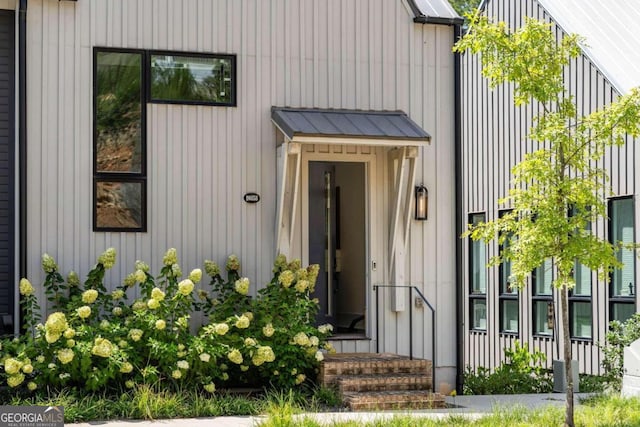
(118, 205)
(199, 79)
(119, 112)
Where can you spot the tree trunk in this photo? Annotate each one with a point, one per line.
(566, 336)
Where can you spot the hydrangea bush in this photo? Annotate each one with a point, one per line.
(99, 339)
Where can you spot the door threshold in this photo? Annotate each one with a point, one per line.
(348, 336)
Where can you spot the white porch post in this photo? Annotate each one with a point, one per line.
(402, 163)
(289, 161)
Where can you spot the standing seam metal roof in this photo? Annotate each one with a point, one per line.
(610, 29)
(347, 123)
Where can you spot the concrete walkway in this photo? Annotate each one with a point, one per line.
(469, 406)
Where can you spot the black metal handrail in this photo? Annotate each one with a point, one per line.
(433, 325)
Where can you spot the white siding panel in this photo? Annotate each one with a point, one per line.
(201, 160)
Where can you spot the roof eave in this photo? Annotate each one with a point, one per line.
(423, 19)
(359, 140)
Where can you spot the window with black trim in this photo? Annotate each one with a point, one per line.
(543, 312)
(119, 141)
(508, 298)
(125, 80)
(580, 307)
(622, 290)
(477, 278)
(192, 78)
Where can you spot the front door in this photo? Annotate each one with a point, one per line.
(337, 243)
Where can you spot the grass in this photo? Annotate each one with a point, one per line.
(287, 408)
(151, 402)
(146, 402)
(601, 411)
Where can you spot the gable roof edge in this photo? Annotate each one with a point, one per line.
(421, 18)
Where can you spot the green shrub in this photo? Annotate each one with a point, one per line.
(523, 372)
(619, 336)
(592, 383)
(97, 340)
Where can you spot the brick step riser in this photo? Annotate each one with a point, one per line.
(408, 400)
(376, 370)
(377, 366)
(382, 387)
(346, 385)
(334, 378)
(381, 381)
(328, 374)
(396, 406)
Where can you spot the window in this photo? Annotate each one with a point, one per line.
(125, 80)
(543, 311)
(192, 78)
(478, 278)
(119, 141)
(580, 322)
(623, 286)
(508, 298)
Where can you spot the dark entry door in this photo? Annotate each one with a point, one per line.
(7, 170)
(322, 237)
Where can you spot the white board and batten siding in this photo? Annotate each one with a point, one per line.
(494, 138)
(360, 54)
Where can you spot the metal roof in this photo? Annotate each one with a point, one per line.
(610, 29)
(353, 124)
(434, 12)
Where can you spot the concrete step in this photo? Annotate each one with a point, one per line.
(340, 365)
(384, 382)
(389, 400)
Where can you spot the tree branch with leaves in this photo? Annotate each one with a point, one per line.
(558, 188)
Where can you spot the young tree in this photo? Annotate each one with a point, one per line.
(464, 7)
(558, 189)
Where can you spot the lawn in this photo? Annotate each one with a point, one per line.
(297, 408)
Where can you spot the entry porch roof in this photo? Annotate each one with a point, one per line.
(342, 126)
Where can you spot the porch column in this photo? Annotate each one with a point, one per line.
(289, 161)
(402, 164)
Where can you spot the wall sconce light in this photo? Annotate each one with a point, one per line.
(422, 201)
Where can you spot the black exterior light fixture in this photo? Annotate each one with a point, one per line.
(422, 201)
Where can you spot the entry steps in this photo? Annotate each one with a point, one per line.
(379, 381)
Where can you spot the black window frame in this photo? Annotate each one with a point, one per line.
(476, 297)
(506, 293)
(575, 299)
(234, 67)
(121, 177)
(145, 99)
(620, 299)
(542, 298)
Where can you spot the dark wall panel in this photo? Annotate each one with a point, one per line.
(7, 167)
